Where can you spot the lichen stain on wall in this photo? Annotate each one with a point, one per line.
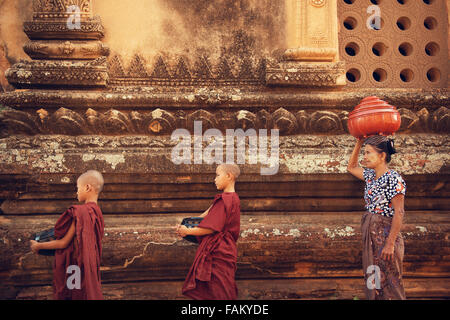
(213, 28)
(184, 27)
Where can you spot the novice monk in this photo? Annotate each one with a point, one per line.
(211, 276)
(78, 243)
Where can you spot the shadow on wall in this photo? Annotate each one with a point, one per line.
(213, 28)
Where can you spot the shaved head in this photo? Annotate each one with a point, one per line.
(230, 168)
(93, 178)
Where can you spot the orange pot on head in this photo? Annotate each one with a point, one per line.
(373, 116)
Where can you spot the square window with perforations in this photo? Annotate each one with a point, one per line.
(394, 43)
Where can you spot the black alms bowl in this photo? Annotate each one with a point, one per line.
(45, 236)
(191, 223)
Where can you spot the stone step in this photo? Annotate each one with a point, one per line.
(307, 288)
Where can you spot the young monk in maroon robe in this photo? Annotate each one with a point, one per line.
(78, 232)
(212, 275)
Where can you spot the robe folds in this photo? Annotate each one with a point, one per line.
(84, 252)
(212, 274)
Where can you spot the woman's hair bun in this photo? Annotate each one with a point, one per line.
(390, 146)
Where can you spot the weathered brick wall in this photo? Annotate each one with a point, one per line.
(300, 228)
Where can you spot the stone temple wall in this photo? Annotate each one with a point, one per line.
(109, 94)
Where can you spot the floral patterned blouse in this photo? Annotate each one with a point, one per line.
(378, 193)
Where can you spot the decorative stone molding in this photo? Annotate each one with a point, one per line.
(66, 49)
(258, 71)
(251, 98)
(311, 54)
(306, 74)
(90, 29)
(185, 73)
(164, 122)
(54, 8)
(56, 62)
(65, 73)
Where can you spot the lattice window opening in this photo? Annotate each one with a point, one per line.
(407, 47)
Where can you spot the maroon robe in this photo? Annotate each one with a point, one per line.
(212, 275)
(84, 251)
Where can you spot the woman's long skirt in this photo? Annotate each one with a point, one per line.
(383, 279)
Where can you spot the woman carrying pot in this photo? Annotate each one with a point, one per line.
(384, 194)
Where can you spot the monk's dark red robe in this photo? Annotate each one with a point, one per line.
(212, 275)
(84, 251)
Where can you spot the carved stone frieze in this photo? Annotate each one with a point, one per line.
(44, 8)
(198, 72)
(306, 74)
(163, 122)
(90, 29)
(262, 71)
(66, 49)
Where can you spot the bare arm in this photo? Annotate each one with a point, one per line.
(183, 231)
(397, 221)
(352, 166)
(197, 231)
(55, 244)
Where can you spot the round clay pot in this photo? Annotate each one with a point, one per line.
(373, 116)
